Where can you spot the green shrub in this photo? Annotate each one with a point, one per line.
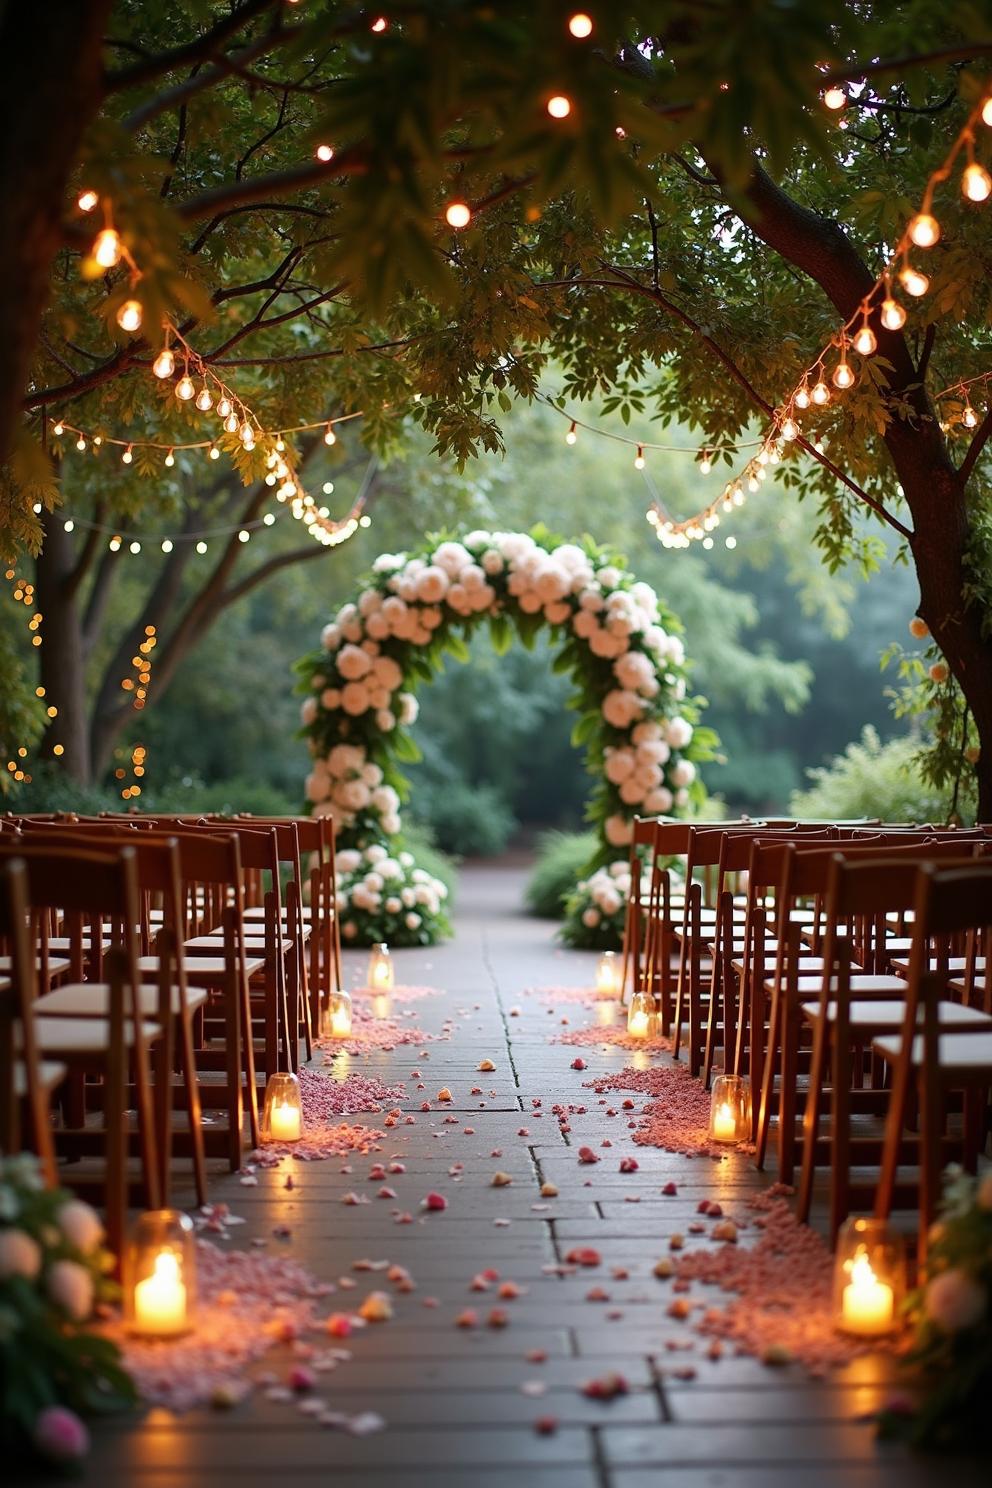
(872, 779)
(473, 821)
(562, 859)
(419, 841)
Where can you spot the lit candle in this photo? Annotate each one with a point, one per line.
(284, 1122)
(638, 1024)
(381, 1005)
(868, 1304)
(341, 1020)
(160, 1300)
(725, 1123)
(608, 975)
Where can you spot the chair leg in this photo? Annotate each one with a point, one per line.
(811, 1120)
(789, 1062)
(192, 1091)
(840, 1129)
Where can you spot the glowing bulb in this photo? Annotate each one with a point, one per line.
(223, 407)
(379, 25)
(790, 429)
(204, 401)
(458, 214)
(214, 453)
(80, 444)
(572, 434)
(843, 376)
(164, 364)
(820, 393)
(135, 547)
(107, 248)
(167, 545)
(913, 282)
(58, 428)
(329, 435)
(185, 388)
(87, 200)
(114, 545)
(802, 397)
(127, 456)
(231, 423)
(976, 183)
(893, 315)
(865, 343)
(924, 230)
(129, 315)
(705, 465)
(325, 153)
(68, 526)
(268, 519)
(170, 459)
(201, 547)
(580, 25)
(987, 111)
(639, 458)
(559, 107)
(969, 417)
(835, 97)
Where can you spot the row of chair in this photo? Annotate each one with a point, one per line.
(155, 963)
(841, 968)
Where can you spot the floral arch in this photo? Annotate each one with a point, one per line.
(620, 646)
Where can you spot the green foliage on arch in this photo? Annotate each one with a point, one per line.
(619, 645)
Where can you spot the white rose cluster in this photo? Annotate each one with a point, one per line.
(346, 784)
(385, 897)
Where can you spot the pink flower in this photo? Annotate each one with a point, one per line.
(435, 1201)
(60, 1435)
(70, 1287)
(956, 1301)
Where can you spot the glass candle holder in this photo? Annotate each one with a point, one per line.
(642, 1016)
(869, 1277)
(335, 1015)
(730, 1109)
(160, 1274)
(382, 977)
(608, 975)
(282, 1115)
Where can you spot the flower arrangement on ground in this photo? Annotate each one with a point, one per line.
(54, 1271)
(951, 1312)
(622, 649)
(382, 897)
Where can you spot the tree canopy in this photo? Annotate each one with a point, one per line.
(663, 219)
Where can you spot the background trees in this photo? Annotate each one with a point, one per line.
(677, 245)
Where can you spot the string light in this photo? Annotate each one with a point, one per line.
(572, 435)
(185, 388)
(913, 281)
(87, 200)
(892, 314)
(458, 214)
(835, 98)
(580, 25)
(204, 400)
(324, 153)
(165, 363)
(976, 183)
(129, 316)
(107, 248)
(559, 107)
(639, 458)
(865, 341)
(924, 229)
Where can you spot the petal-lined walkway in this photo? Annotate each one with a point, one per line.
(493, 1365)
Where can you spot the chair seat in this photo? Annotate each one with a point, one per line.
(953, 963)
(211, 944)
(56, 964)
(962, 1054)
(257, 912)
(803, 964)
(862, 982)
(50, 1074)
(881, 1014)
(91, 1000)
(82, 1037)
(203, 970)
(66, 943)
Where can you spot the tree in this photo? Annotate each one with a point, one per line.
(683, 231)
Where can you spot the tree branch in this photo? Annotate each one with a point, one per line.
(853, 72)
(979, 440)
(190, 52)
(265, 571)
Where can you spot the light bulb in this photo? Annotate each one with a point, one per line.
(58, 428)
(843, 376)
(802, 397)
(325, 153)
(134, 547)
(201, 547)
(129, 315)
(223, 407)
(639, 458)
(244, 535)
(107, 248)
(127, 456)
(329, 435)
(167, 545)
(705, 465)
(924, 230)
(379, 25)
(80, 444)
(214, 452)
(790, 429)
(580, 25)
(185, 388)
(913, 282)
(559, 107)
(976, 183)
(572, 434)
(165, 363)
(231, 423)
(87, 200)
(835, 97)
(458, 214)
(969, 417)
(820, 393)
(865, 343)
(204, 401)
(893, 316)
(170, 459)
(246, 433)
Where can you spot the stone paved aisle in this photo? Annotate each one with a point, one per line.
(460, 1405)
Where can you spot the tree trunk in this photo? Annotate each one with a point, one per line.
(62, 663)
(52, 89)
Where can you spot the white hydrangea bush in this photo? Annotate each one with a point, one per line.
(622, 649)
(385, 897)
